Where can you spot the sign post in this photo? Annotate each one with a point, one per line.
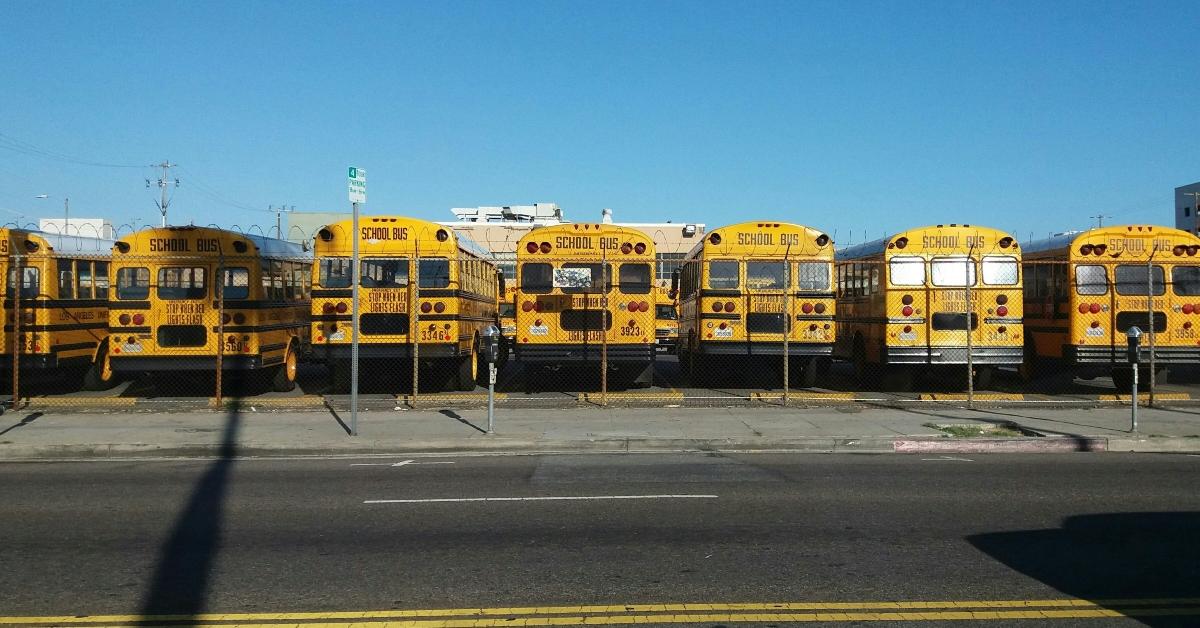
(358, 194)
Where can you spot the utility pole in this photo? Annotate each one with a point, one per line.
(279, 212)
(1100, 219)
(163, 183)
(66, 216)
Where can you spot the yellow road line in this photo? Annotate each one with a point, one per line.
(1146, 397)
(529, 611)
(67, 402)
(716, 618)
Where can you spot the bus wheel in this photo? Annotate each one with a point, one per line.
(984, 376)
(284, 379)
(861, 368)
(468, 369)
(803, 372)
(1123, 379)
(100, 375)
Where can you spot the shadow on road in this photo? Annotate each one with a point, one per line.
(1115, 560)
(180, 583)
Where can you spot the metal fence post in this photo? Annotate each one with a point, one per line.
(220, 326)
(18, 278)
(787, 326)
(415, 281)
(1150, 316)
(604, 324)
(355, 279)
(967, 281)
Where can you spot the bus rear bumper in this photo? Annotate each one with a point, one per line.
(1119, 355)
(558, 354)
(764, 348)
(954, 355)
(36, 361)
(123, 364)
(385, 351)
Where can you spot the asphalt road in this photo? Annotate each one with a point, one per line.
(248, 536)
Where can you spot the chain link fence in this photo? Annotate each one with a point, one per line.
(90, 330)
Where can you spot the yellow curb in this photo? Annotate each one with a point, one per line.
(975, 397)
(436, 397)
(1146, 397)
(594, 397)
(802, 395)
(307, 401)
(82, 402)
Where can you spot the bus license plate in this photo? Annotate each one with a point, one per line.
(539, 331)
(723, 333)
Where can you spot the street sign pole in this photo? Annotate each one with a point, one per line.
(358, 194)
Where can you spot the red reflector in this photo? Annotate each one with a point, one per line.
(138, 319)
(907, 310)
(724, 325)
(1002, 329)
(1187, 325)
(807, 308)
(908, 329)
(1095, 324)
(1187, 308)
(1095, 308)
(1002, 311)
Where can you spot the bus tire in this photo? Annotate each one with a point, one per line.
(1123, 379)
(284, 378)
(803, 372)
(100, 376)
(858, 356)
(467, 369)
(984, 376)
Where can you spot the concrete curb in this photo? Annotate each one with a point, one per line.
(16, 452)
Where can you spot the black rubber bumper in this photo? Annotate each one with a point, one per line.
(559, 354)
(1119, 355)
(706, 347)
(1010, 356)
(385, 351)
(131, 364)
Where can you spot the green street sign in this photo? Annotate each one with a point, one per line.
(353, 172)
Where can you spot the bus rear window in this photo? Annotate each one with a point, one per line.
(578, 278)
(133, 283)
(1132, 280)
(181, 282)
(30, 282)
(906, 271)
(723, 275)
(434, 273)
(1000, 270)
(1186, 280)
(764, 275)
(812, 276)
(1090, 279)
(536, 278)
(384, 273)
(634, 279)
(236, 284)
(335, 272)
(952, 271)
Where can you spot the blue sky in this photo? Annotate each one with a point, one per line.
(851, 117)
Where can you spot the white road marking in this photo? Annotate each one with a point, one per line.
(402, 463)
(943, 458)
(532, 499)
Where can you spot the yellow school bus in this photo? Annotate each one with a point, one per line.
(164, 315)
(455, 298)
(902, 302)
(583, 289)
(62, 319)
(1085, 290)
(747, 285)
(666, 321)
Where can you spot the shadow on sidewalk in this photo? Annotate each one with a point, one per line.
(29, 418)
(180, 583)
(1145, 564)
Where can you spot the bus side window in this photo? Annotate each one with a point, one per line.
(66, 279)
(83, 279)
(100, 280)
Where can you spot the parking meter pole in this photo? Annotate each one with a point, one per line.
(1134, 402)
(491, 398)
(1150, 321)
(491, 353)
(354, 281)
(969, 279)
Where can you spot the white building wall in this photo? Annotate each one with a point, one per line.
(1185, 208)
(85, 227)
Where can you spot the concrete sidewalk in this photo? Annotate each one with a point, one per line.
(851, 428)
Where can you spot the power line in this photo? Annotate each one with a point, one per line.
(163, 183)
(213, 194)
(13, 144)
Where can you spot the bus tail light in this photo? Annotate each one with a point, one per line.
(1005, 242)
(138, 319)
(639, 248)
(901, 243)
(1179, 250)
(1192, 250)
(1187, 308)
(1098, 249)
(807, 308)
(907, 310)
(1085, 249)
(1002, 311)
(532, 248)
(327, 308)
(439, 307)
(527, 306)
(1196, 308)
(907, 299)
(729, 306)
(1002, 299)
(226, 319)
(544, 248)
(819, 308)
(123, 319)
(239, 318)
(716, 306)
(426, 307)
(341, 308)
(1094, 308)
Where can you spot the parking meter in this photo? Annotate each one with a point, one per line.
(491, 344)
(1135, 338)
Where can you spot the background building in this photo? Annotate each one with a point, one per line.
(499, 228)
(86, 227)
(1185, 208)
